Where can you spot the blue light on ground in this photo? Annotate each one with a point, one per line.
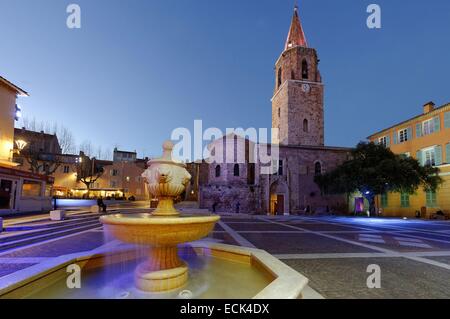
(75, 202)
(366, 220)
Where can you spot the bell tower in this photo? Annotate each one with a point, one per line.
(297, 103)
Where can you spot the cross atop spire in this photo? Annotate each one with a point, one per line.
(296, 36)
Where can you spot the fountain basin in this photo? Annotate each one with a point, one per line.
(221, 271)
(163, 270)
(145, 229)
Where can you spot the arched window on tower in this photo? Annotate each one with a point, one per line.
(280, 74)
(318, 169)
(218, 171)
(305, 126)
(305, 73)
(292, 75)
(236, 170)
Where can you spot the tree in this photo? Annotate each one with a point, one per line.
(66, 140)
(87, 148)
(40, 160)
(65, 137)
(42, 163)
(374, 170)
(88, 170)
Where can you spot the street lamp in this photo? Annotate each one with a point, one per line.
(21, 144)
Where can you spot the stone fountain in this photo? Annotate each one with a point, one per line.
(115, 271)
(164, 229)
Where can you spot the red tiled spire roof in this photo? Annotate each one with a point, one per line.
(296, 36)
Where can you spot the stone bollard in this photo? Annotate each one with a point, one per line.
(57, 215)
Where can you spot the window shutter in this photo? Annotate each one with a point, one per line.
(447, 152)
(437, 124)
(438, 155)
(410, 136)
(419, 157)
(418, 129)
(388, 141)
(447, 120)
(395, 137)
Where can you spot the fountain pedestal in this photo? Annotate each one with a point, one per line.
(163, 271)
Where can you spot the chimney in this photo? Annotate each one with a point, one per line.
(428, 107)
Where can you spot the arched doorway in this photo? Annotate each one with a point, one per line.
(279, 199)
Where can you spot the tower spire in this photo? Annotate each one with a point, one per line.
(296, 36)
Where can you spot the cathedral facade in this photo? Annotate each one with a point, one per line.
(298, 114)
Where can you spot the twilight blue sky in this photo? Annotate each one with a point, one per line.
(140, 68)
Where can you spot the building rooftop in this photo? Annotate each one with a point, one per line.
(18, 90)
(423, 115)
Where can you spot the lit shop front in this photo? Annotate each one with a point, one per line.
(22, 192)
(106, 193)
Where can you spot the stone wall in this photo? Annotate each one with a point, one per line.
(298, 179)
(228, 196)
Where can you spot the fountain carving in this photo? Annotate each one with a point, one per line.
(165, 229)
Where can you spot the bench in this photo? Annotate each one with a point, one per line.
(57, 215)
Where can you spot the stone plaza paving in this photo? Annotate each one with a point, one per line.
(333, 252)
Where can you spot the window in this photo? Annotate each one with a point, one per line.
(384, 200)
(318, 169)
(304, 70)
(403, 135)
(66, 169)
(279, 112)
(428, 127)
(292, 75)
(280, 168)
(404, 200)
(305, 126)
(280, 74)
(114, 172)
(429, 156)
(431, 199)
(236, 170)
(31, 188)
(48, 190)
(218, 171)
(384, 141)
(113, 184)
